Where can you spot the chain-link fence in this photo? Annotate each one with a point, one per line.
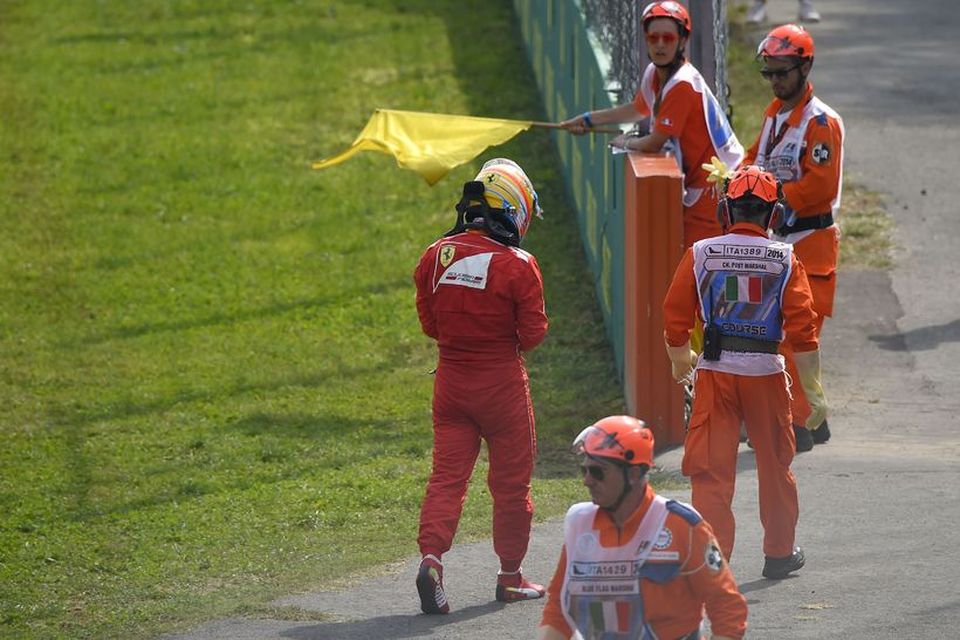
(616, 24)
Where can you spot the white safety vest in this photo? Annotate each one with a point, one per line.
(740, 283)
(726, 146)
(783, 160)
(601, 596)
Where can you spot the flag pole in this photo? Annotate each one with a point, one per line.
(556, 125)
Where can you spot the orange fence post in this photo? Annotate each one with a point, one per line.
(653, 246)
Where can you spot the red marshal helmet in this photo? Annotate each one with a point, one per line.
(787, 41)
(623, 440)
(752, 180)
(668, 9)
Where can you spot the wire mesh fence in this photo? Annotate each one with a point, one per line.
(616, 25)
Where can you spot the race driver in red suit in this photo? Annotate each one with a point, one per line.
(481, 298)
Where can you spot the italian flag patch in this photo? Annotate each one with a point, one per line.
(744, 289)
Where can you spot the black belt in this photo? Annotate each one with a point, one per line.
(819, 221)
(749, 345)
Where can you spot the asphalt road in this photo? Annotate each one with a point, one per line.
(880, 502)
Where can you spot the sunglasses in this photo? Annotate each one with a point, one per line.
(779, 74)
(666, 38)
(597, 473)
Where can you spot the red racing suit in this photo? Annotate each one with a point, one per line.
(806, 155)
(482, 301)
(750, 286)
(682, 574)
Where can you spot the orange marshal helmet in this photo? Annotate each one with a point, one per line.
(748, 187)
(623, 440)
(787, 41)
(668, 9)
(752, 180)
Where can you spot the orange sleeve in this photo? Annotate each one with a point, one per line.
(712, 581)
(421, 277)
(640, 104)
(814, 192)
(675, 109)
(681, 304)
(799, 318)
(751, 155)
(552, 612)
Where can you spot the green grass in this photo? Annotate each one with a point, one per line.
(215, 388)
(866, 226)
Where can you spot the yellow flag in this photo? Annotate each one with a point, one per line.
(429, 143)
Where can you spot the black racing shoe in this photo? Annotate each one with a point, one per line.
(804, 439)
(821, 434)
(430, 586)
(779, 568)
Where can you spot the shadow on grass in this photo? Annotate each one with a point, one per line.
(304, 425)
(67, 418)
(318, 427)
(219, 319)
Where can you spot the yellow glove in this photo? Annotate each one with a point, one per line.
(683, 360)
(808, 368)
(716, 170)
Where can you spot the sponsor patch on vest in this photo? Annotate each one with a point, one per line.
(586, 543)
(663, 539)
(820, 153)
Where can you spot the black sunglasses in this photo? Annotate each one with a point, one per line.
(597, 473)
(779, 74)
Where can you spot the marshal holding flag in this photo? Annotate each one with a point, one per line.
(432, 143)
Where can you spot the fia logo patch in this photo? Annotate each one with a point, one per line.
(447, 252)
(663, 539)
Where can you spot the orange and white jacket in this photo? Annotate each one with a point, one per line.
(683, 574)
(806, 154)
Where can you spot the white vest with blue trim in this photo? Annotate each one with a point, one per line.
(740, 284)
(726, 146)
(601, 597)
(784, 159)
